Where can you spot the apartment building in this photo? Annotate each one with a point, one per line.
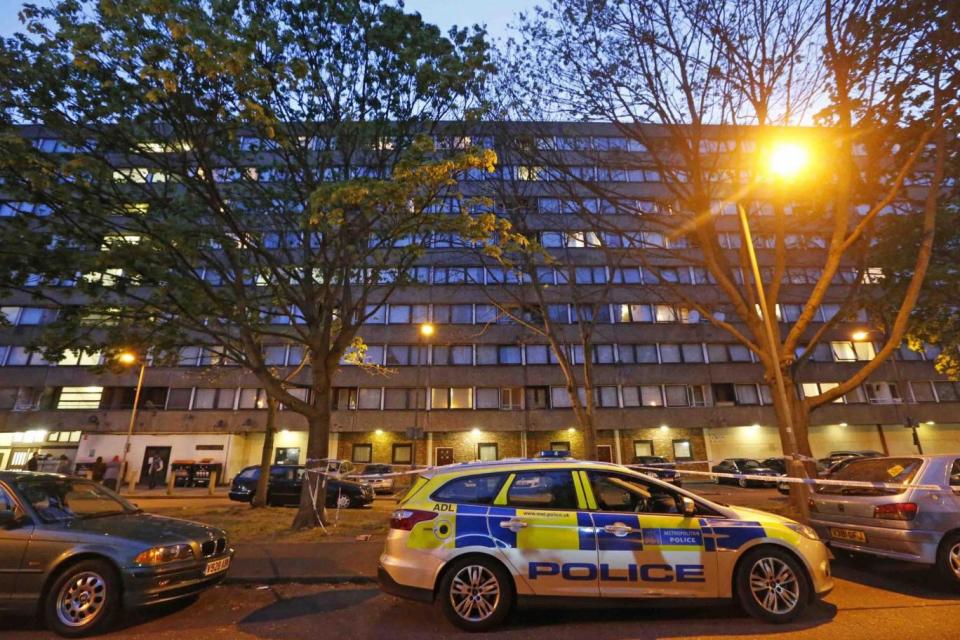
(483, 387)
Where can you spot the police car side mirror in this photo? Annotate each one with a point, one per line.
(689, 506)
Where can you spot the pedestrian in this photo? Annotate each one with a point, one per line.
(98, 469)
(33, 462)
(111, 473)
(63, 465)
(154, 468)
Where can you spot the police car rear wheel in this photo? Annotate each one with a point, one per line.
(476, 594)
(772, 586)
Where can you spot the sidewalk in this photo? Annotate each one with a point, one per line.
(307, 562)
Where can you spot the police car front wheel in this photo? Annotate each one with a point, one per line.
(772, 585)
(476, 594)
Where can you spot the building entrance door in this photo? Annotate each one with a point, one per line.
(164, 453)
(604, 453)
(444, 456)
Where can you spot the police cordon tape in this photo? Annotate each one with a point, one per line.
(665, 466)
(794, 480)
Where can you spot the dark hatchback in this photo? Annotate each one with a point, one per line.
(662, 468)
(286, 482)
(77, 553)
(745, 466)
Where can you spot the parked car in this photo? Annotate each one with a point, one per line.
(665, 470)
(286, 483)
(745, 466)
(837, 456)
(78, 553)
(375, 476)
(902, 522)
(594, 531)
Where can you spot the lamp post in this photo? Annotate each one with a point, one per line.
(424, 333)
(129, 358)
(786, 161)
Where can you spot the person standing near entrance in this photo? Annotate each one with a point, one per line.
(154, 468)
(33, 463)
(63, 465)
(97, 470)
(111, 473)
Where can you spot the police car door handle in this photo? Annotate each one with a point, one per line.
(513, 524)
(618, 529)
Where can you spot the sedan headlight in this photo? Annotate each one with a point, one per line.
(804, 530)
(162, 555)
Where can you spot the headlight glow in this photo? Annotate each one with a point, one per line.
(163, 555)
(803, 530)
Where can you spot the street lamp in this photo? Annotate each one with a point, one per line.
(786, 160)
(130, 358)
(424, 333)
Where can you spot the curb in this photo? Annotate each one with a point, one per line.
(270, 580)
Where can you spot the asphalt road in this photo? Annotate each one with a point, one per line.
(875, 601)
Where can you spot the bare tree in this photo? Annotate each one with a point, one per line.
(706, 90)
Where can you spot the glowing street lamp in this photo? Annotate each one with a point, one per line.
(130, 358)
(788, 159)
(859, 336)
(426, 329)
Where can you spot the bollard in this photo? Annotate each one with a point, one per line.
(170, 482)
(213, 482)
(132, 484)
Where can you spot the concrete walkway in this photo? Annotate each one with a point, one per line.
(306, 562)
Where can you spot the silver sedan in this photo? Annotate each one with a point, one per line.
(911, 512)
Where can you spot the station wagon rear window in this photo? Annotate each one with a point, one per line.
(901, 471)
(471, 489)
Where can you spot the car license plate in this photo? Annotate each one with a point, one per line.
(854, 535)
(216, 566)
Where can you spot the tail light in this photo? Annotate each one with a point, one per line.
(898, 511)
(406, 519)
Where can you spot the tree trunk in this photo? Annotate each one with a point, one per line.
(796, 449)
(312, 510)
(263, 482)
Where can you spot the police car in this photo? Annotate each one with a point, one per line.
(482, 537)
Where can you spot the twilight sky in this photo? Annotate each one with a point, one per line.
(496, 14)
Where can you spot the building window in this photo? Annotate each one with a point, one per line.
(249, 399)
(461, 355)
(537, 354)
(179, 398)
(287, 455)
(488, 398)
(511, 398)
(402, 454)
(538, 397)
(214, 398)
(451, 398)
(399, 355)
(345, 398)
(403, 399)
(80, 398)
(362, 452)
(922, 392)
(369, 398)
(642, 448)
(488, 451)
(682, 450)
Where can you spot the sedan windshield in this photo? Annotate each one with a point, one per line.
(897, 471)
(65, 499)
(749, 464)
